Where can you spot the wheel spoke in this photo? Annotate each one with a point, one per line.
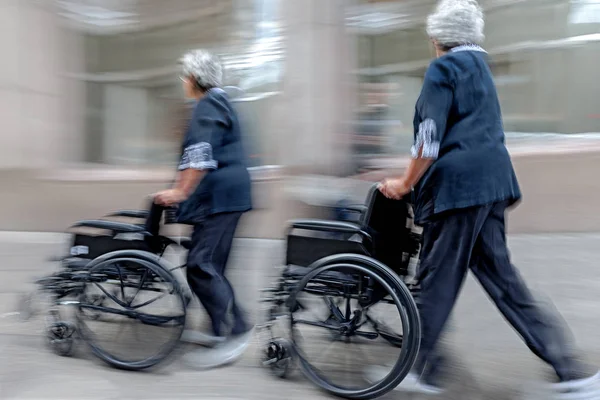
(385, 332)
(317, 324)
(142, 281)
(335, 310)
(149, 301)
(105, 309)
(348, 308)
(121, 280)
(110, 296)
(367, 335)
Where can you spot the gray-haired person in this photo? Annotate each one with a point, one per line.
(464, 182)
(211, 192)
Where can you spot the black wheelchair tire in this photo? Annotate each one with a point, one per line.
(154, 264)
(410, 317)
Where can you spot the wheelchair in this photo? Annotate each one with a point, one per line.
(347, 268)
(119, 285)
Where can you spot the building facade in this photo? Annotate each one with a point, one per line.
(544, 54)
(315, 80)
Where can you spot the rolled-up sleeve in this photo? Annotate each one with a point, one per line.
(198, 156)
(198, 150)
(432, 111)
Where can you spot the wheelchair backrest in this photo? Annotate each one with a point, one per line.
(388, 222)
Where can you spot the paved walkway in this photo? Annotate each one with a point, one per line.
(491, 362)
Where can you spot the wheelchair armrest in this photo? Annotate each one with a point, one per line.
(328, 226)
(360, 209)
(115, 227)
(130, 214)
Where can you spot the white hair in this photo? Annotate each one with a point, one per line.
(204, 67)
(456, 22)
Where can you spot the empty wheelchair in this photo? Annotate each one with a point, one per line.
(343, 286)
(129, 307)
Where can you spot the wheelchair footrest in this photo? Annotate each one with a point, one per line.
(75, 263)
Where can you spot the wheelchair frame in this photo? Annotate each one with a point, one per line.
(366, 247)
(357, 260)
(125, 243)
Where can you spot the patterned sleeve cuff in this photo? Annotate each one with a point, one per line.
(198, 156)
(426, 145)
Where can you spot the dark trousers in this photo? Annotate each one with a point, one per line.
(207, 259)
(475, 239)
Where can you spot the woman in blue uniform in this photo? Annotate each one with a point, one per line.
(464, 182)
(211, 192)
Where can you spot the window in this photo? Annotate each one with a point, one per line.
(585, 12)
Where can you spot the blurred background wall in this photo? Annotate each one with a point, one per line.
(91, 98)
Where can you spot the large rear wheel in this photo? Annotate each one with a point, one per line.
(349, 316)
(141, 316)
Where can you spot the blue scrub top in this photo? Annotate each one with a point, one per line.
(213, 143)
(458, 123)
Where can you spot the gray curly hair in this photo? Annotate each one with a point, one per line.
(203, 67)
(456, 22)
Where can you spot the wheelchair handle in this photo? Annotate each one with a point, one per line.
(407, 198)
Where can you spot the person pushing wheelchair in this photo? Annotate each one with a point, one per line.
(464, 182)
(211, 192)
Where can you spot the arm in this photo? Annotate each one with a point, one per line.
(415, 171)
(433, 109)
(188, 180)
(196, 161)
(397, 188)
(197, 158)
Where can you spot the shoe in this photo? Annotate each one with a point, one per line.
(224, 353)
(578, 383)
(586, 394)
(411, 383)
(201, 339)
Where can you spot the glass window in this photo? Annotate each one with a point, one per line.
(585, 12)
(544, 56)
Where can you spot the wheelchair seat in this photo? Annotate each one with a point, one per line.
(383, 232)
(114, 226)
(114, 236)
(328, 226)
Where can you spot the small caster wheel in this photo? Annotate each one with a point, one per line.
(278, 357)
(60, 338)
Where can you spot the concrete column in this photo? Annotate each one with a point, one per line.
(34, 95)
(318, 97)
(11, 144)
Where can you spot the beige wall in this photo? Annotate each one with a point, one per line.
(561, 193)
(38, 104)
